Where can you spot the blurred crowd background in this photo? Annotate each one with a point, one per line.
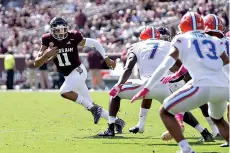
(116, 24)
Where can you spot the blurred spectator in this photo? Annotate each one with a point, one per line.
(44, 77)
(32, 72)
(114, 23)
(80, 19)
(9, 64)
(95, 61)
(124, 53)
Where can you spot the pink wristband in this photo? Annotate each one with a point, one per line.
(182, 70)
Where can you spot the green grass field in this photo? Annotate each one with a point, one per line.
(43, 122)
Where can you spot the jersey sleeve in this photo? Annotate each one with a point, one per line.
(45, 40)
(178, 42)
(78, 37)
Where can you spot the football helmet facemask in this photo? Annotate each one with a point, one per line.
(164, 33)
(58, 28)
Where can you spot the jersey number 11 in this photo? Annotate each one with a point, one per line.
(66, 60)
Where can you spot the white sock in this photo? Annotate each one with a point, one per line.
(105, 114)
(199, 128)
(184, 146)
(112, 119)
(81, 100)
(142, 117)
(214, 128)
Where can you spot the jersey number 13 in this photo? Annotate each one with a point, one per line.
(66, 60)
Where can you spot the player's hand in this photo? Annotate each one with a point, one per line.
(50, 52)
(110, 63)
(140, 95)
(169, 78)
(115, 90)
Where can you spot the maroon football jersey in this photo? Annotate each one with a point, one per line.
(67, 58)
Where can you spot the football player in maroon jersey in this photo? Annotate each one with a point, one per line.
(60, 45)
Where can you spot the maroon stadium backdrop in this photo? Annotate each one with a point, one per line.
(20, 75)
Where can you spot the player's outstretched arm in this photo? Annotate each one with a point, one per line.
(226, 66)
(44, 54)
(130, 63)
(89, 42)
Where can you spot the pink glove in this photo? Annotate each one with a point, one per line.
(142, 94)
(115, 90)
(175, 76)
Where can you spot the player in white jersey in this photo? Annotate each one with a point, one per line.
(144, 54)
(148, 54)
(205, 58)
(174, 85)
(215, 27)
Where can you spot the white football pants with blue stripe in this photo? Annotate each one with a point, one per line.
(190, 97)
(159, 92)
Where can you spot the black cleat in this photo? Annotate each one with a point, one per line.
(218, 137)
(206, 136)
(134, 129)
(109, 132)
(96, 112)
(119, 125)
(226, 144)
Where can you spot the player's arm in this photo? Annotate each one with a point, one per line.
(89, 42)
(44, 54)
(226, 65)
(167, 63)
(130, 63)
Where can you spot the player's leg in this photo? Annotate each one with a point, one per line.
(159, 92)
(114, 107)
(71, 87)
(144, 109)
(226, 144)
(192, 121)
(166, 136)
(183, 100)
(204, 110)
(216, 111)
(127, 91)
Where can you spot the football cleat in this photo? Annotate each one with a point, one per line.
(109, 132)
(96, 112)
(226, 144)
(136, 129)
(218, 137)
(119, 125)
(206, 136)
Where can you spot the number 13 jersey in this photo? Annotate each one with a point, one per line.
(200, 54)
(67, 58)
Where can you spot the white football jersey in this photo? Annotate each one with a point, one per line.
(226, 42)
(150, 54)
(200, 53)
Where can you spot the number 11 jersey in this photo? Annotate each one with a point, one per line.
(200, 54)
(67, 58)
